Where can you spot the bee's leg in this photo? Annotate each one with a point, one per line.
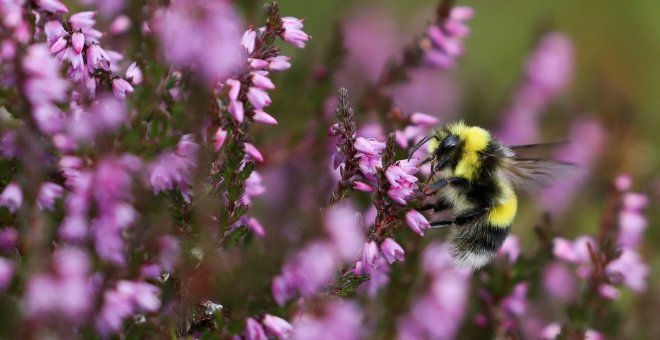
(438, 206)
(442, 224)
(466, 218)
(458, 181)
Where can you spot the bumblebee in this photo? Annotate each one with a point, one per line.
(474, 175)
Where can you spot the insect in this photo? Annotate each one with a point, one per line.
(475, 176)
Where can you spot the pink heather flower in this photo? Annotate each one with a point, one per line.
(260, 79)
(417, 222)
(83, 20)
(77, 41)
(369, 154)
(516, 302)
(361, 186)
(126, 299)
(120, 25)
(341, 222)
(510, 248)
(48, 193)
(11, 197)
(292, 32)
(249, 39)
(632, 221)
(370, 254)
(59, 45)
(210, 44)
(253, 187)
(446, 299)
(263, 117)
(559, 282)
(254, 331)
(573, 252)
(8, 239)
(68, 292)
(174, 169)
(255, 226)
(392, 251)
(629, 269)
(53, 6)
(121, 87)
(8, 146)
(279, 63)
(447, 41)
(338, 320)
(6, 273)
(591, 135)
(282, 290)
(277, 326)
(551, 331)
(311, 269)
(253, 152)
(257, 64)
(220, 138)
(423, 119)
(401, 179)
(548, 72)
(258, 97)
(608, 292)
(623, 182)
(237, 110)
(169, 252)
(134, 74)
(97, 58)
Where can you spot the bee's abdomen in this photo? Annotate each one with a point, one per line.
(475, 244)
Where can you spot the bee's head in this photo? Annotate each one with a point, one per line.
(457, 147)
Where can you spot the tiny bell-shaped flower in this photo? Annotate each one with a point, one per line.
(121, 87)
(134, 74)
(220, 138)
(392, 251)
(279, 63)
(263, 117)
(277, 326)
(252, 151)
(417, 222)
(423, 119)
(78, 42)
(254, 331)
(58, 45)
(361, 186)
(258, 97)
(259, 79)
(370, 256)
(249, 39)
(52, 6)
(11, 197)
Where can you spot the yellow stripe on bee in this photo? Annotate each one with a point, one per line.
(504, 212)
(475, 140)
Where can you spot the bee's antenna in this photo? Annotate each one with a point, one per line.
(419, 145)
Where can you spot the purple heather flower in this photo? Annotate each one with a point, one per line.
(632, 221)
(6, 273)
(591, 135)
(423, 119)
(8, 239)
(446, 41)
(510, 248)
(551, 331)
(11, 197)
(174, 169)
(8, 146)
(120, 25)
(253, 152)
(361, 186)
(249, 39)
(263, 117)
(134, 74)
(210, 43)
(346, 236)
(126, 299)
(77, 41)
(292, 32)
(629, 269)
(369, 154)
(258, 97)
(417, 222)
(67, 292)
(254, 331)
(277, 326)
(392, 251)
(48, 193)
(253, 187)
(445, 300)
(516, 302)
(220, 138)
(370, 254)
(608, 292)
(282, 290)
(401, 179)
(559, 282)
(260, 79)
(121, 87)
(547, 73)
(339, 320)
(379, 276)
(53, 6)
(308, 271)
(97, 58)
(279, 63)
(623, 182)
(573, 252)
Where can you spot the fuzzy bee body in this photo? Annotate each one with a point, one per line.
(474, 175)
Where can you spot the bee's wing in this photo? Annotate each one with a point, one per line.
(531, 167)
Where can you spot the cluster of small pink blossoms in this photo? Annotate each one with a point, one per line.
(445, 39)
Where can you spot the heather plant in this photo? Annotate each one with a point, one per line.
(169, 169)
